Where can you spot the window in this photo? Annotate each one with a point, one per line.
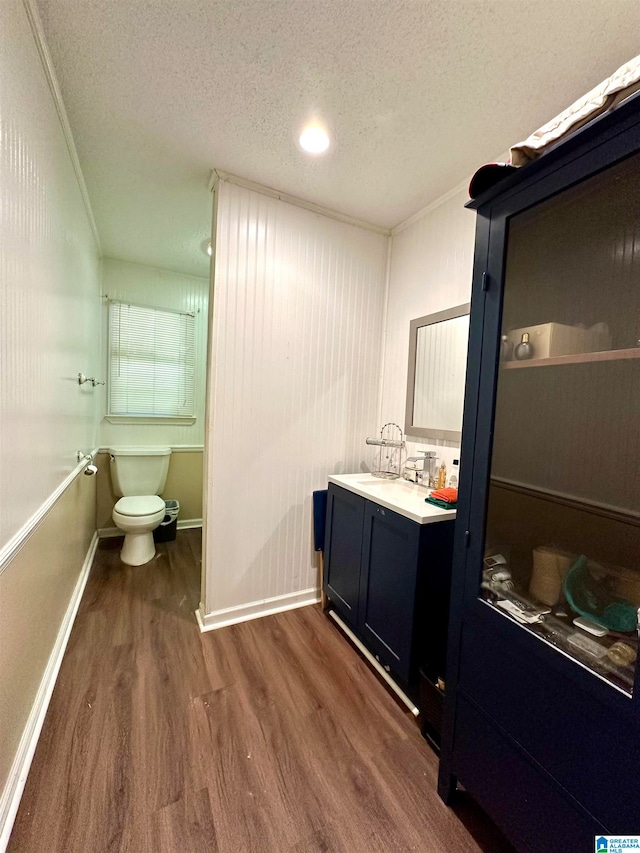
(151, 362)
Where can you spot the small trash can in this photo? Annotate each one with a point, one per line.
(168, 528)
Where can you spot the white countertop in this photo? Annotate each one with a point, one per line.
(399, 495)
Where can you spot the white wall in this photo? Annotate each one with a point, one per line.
(49, 288)
(296, 349)
(49, 332)
(431, 269)
(161, 289)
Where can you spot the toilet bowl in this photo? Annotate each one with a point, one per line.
(138, 474)
(138, 517)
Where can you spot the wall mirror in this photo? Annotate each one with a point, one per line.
(437, 367)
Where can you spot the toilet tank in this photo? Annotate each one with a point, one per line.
(139, 470)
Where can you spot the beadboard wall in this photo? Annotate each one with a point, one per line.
(49, 287)
(296, 350)
(49, 332)
(431, 270)
(143, 285)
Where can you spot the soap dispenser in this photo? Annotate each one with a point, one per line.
(442, 475)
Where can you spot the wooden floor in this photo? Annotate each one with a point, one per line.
(272, 735)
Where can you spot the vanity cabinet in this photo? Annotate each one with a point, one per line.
(343, 550)
(388, 577)
(542, 715)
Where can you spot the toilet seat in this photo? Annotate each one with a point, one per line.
(139, 505)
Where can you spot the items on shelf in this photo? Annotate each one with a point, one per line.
(562, 585)
(588, 593)
(547, 340)
(524, 349)
(621, 654)
(550, 565)
(506, 348)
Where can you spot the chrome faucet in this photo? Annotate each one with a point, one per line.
(427, 475)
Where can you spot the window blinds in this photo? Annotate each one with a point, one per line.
(151, 362)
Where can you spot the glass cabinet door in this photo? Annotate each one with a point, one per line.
(562, 539)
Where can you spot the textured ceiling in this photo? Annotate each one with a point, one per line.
(416, 95)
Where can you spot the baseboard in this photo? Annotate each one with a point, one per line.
(10, 799)
(256, 609)
(183, 524)
(189, 523)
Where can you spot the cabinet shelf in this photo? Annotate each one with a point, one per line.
(575, 358)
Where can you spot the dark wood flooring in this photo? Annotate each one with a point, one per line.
(270, 736)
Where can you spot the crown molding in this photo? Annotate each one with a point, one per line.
(429, 208)
(228, 178)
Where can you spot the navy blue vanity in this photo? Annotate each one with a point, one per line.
(387, 571)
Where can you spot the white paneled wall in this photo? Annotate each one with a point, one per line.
(49, 288)
(296, 351)
(159, 288)
(431, 269)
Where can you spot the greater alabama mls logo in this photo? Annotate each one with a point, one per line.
(617, 843)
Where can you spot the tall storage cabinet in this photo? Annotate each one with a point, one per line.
(542, 717)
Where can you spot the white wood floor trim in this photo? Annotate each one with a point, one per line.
(12, 793)
(256, 609)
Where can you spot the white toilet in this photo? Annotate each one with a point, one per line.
(138, 474)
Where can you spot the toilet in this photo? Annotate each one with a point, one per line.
(138, 474)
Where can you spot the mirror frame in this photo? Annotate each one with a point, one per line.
(427, 320)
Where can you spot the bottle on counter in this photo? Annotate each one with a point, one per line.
(453, 479)
(442, 475)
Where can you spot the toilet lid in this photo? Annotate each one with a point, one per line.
(139, 505)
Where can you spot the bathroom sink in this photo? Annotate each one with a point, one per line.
(399, 495)
(389, 486)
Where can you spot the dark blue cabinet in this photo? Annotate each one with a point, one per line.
(390, 563)
(541, 722)
(388, 577)
(345, 517)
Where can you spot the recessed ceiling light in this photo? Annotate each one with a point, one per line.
(314, 139)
